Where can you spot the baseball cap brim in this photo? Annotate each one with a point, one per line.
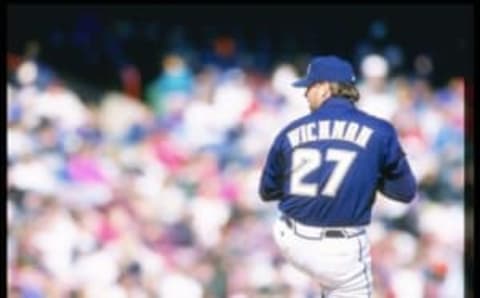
(303, 82)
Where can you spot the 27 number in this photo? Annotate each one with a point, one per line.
(306, 160)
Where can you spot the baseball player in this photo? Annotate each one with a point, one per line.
(324, 170)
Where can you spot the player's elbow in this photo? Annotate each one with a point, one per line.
(269, 195)
(265, 196)
(403, 190)
(411, 189)
(262, 194)
(409, 196)
(400, 197)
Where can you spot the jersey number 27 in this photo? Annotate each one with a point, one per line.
(307, 160)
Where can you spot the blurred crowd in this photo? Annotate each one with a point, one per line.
(156, 195)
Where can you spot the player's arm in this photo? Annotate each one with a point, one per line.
(397, 181)
(271, 182)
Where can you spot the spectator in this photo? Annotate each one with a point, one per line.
(175, 80)
(376, 95)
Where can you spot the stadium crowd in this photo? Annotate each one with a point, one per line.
(157, 196)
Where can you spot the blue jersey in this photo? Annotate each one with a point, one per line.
(325, 167)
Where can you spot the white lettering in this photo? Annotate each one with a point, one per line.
(338, 129)
(311, 137)
(351, 133)
(341, 130)
(303, 133)
(324, 130)
(294, 137)
(364, 136)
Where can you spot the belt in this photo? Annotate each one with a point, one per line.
(312, 232)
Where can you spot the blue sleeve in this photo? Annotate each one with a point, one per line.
(397, 181)
(271, 182)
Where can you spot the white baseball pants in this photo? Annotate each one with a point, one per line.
(341, 265)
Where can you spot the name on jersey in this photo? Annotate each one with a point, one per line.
(349, 131)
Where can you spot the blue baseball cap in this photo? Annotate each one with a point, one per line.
(327, 68)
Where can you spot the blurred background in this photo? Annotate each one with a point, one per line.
(136, 136)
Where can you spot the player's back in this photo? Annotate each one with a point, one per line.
(332, 162)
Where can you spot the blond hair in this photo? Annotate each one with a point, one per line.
(346, 90)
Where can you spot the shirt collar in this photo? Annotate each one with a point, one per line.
(336, 102)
